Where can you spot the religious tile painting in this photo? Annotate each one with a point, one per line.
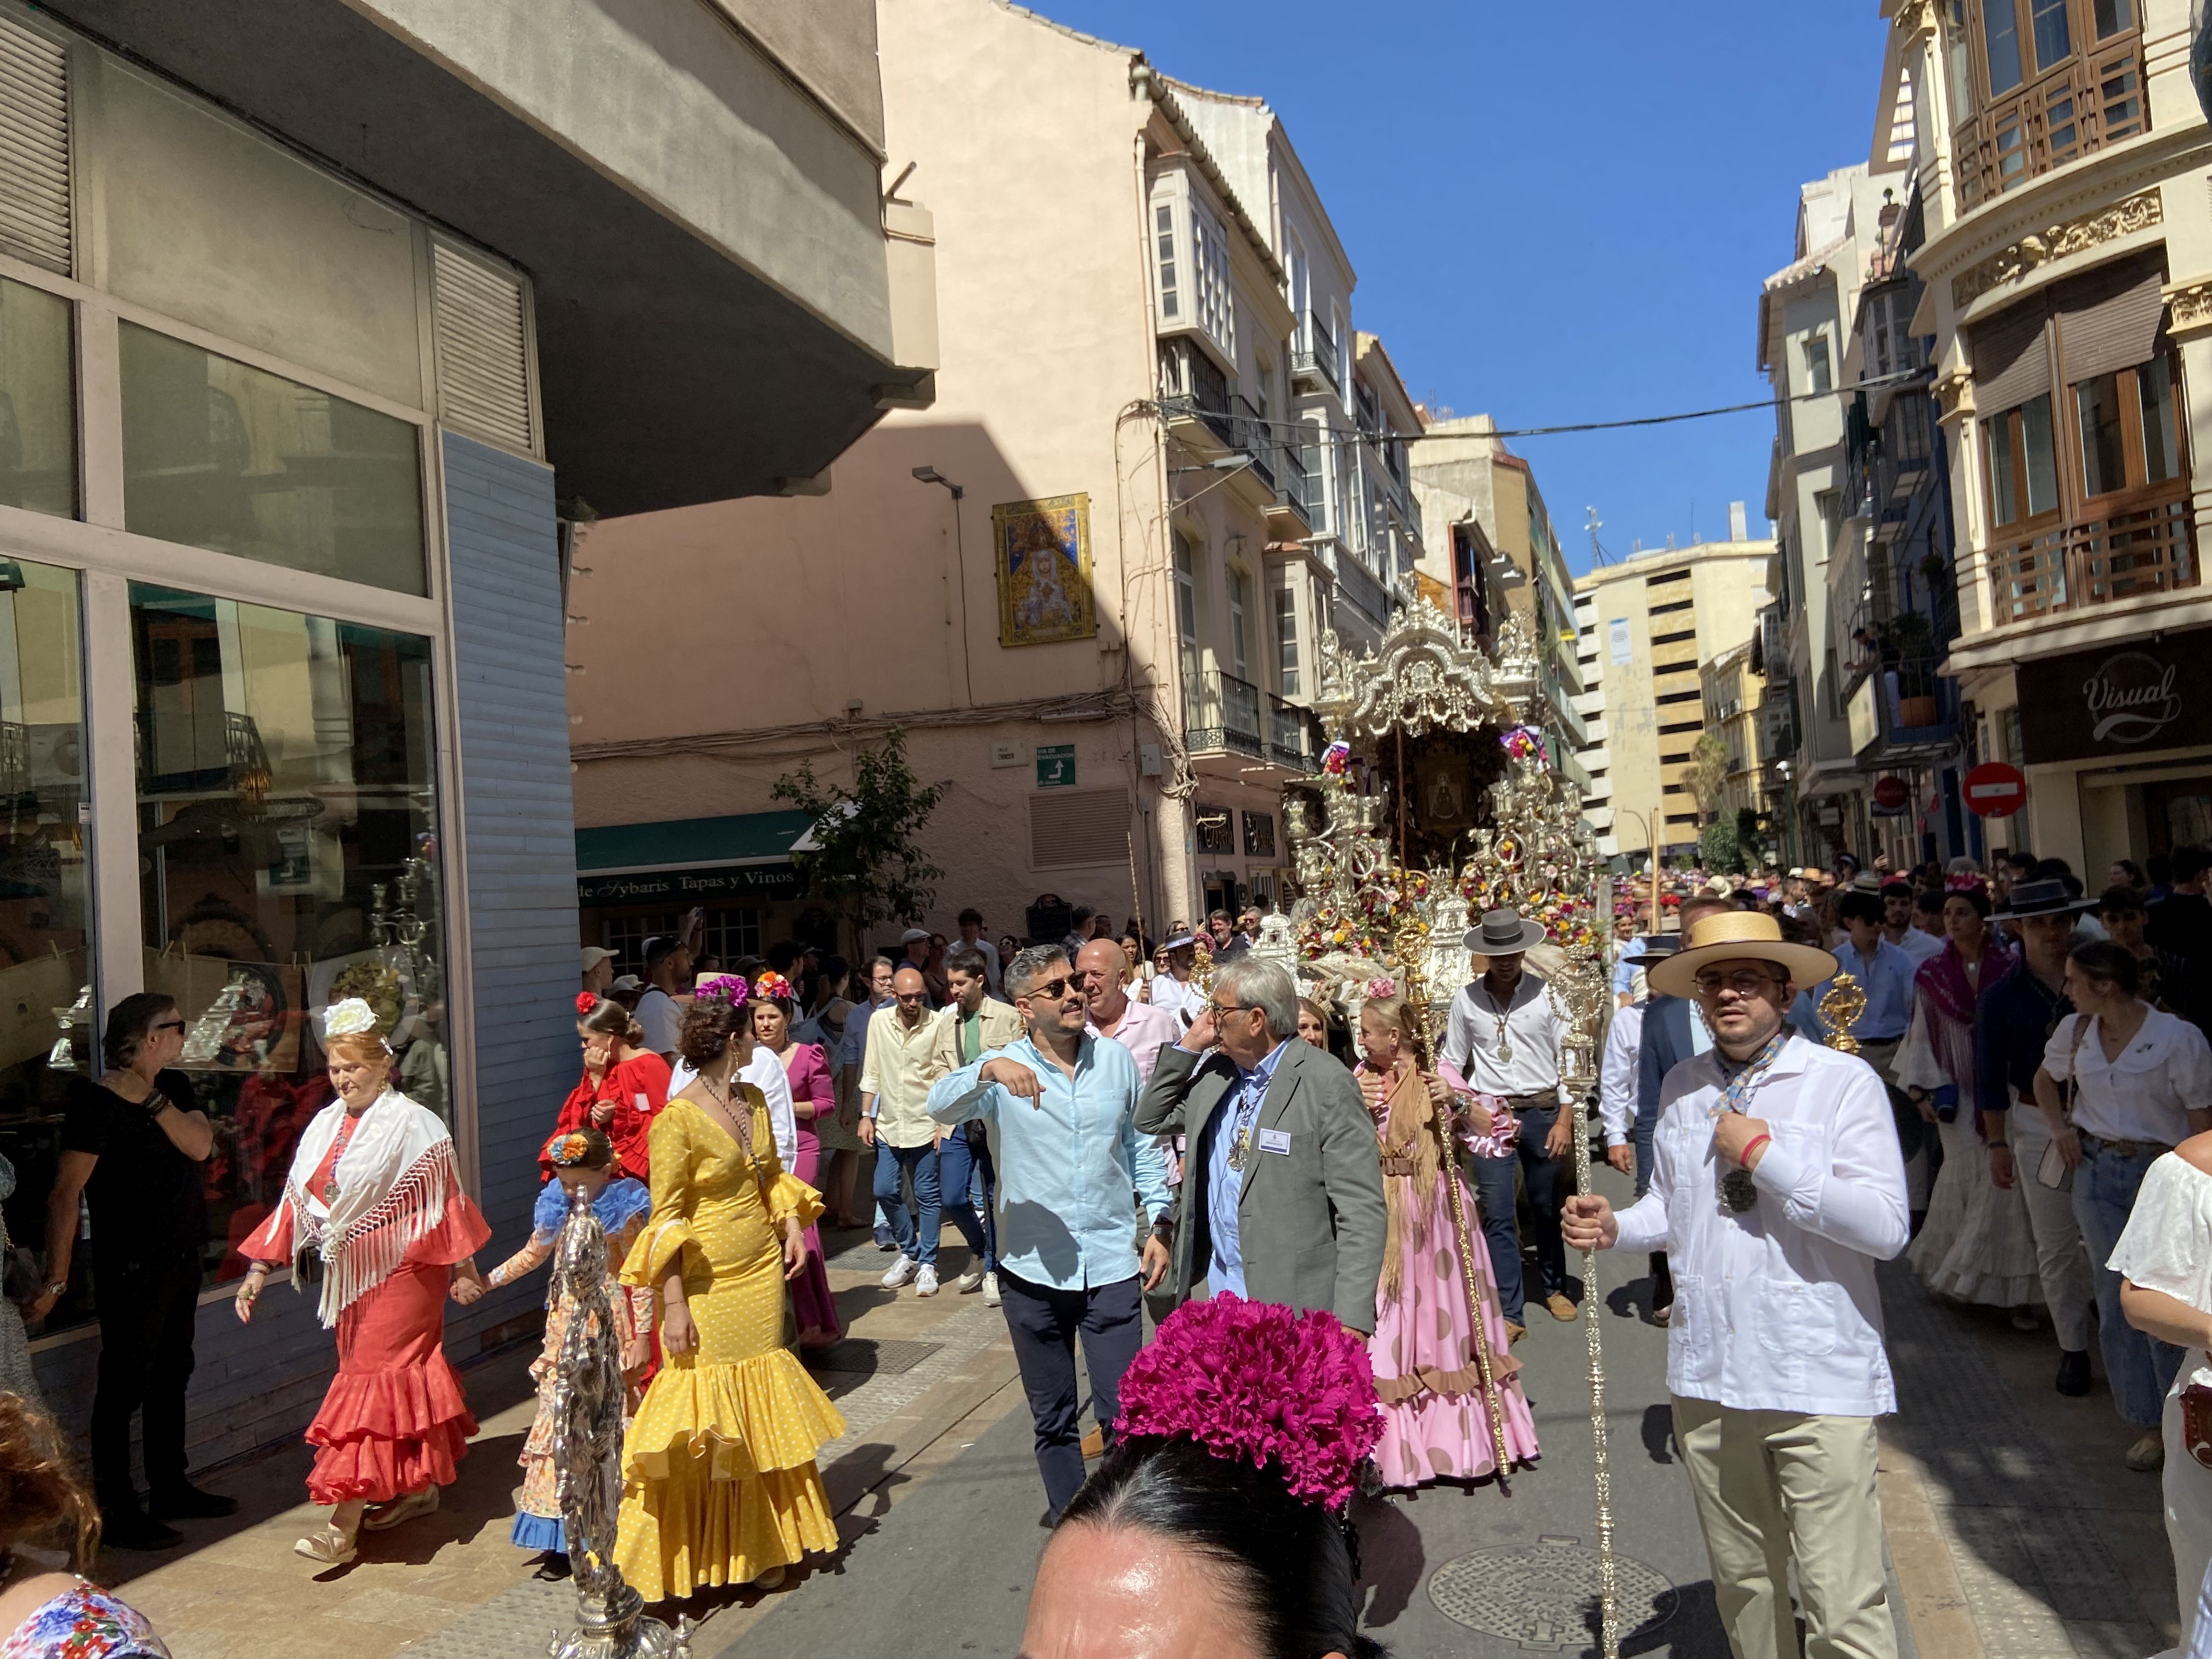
(1043, 563)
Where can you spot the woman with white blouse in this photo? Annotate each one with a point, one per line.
(2122, 1085)
(2165, 1261)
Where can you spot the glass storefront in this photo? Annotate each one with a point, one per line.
(45, 940)
(287, 838)
(38, 403)
(220, 455)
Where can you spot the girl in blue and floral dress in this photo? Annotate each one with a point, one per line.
(46, 1517)
(584, 1161)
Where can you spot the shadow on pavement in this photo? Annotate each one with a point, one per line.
(1391, 1560)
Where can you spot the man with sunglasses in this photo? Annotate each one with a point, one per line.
(1282, 1188)
(1058, 1107)
(1777, 1187)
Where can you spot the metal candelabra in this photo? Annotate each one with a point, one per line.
(1839, 1010)
(587, 1446)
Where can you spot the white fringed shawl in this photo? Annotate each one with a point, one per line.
(393, 1180)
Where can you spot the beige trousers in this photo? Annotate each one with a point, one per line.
(1777, 1487)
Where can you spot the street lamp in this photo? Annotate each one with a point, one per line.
(1651, 859)
(931, 475)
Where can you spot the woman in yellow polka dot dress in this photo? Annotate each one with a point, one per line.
(720, 1482)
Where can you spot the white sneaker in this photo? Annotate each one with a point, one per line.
(925, 1283)
(902, 1270)
(970, 1281)
(990, 1289)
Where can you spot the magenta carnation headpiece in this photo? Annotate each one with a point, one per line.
(1260, 1384)
(720, 988)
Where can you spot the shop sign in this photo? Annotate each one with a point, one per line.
(2120, 700)
(754, 881)
(1890, 794)
(1994, 790)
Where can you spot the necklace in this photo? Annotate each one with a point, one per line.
(1738, 1191)
(337, 1155)
(741, 1127)
(1505, 1043)
(1248, 1108)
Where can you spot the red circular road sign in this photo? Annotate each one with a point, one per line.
(1995, 790)
(1890, 792)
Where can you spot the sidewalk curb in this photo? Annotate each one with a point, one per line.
(1935, 1609)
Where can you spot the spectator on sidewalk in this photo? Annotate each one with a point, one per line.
(2013, 1023)
(895, 1078)
(1898, 902)
(852, 1053)
(1058, 1106)
(1081, 926)
(1175, 987)
(1502, 1044)
(1142, 1029)
(913, 952)
(1775, 1222)
(599, 964)
(2121, 1084)
(2182, 922)
(2168, 982)
(972, 1025)
(1282, 1191)
(971, 939)
(668, 975)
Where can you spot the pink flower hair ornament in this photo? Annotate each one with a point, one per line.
(771, 985)
(1382, 986)
(721, 988)
(1259, 1383)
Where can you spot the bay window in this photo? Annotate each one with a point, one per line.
(2037, 83)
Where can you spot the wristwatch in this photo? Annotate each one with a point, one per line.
(60, 1288)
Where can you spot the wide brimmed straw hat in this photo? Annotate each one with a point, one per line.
(1727, 935)
(1503, 933)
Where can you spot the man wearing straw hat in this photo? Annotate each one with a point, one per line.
(1776, 1188)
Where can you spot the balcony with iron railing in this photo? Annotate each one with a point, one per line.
(2080, 105)
(1223, 714)
(2149, 548)
(1314, 360)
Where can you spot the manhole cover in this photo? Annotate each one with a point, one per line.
(868, 1357)
(1543, 1597)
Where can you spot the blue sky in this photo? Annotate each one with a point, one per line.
(1558, 212)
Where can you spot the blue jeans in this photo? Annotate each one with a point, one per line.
(1544, 1177)
(2140, 1368)
(966, 1178)
(921, 1243)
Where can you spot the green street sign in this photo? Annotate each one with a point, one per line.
(1056, 764)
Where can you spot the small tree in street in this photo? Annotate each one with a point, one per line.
(1706, 775)
(865, 862)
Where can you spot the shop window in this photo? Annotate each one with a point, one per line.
(626, 936)
(1217, 829)
(729, 934)
(47, 1033)
(219, 455)
(1259, 835)
(288, 839)
(38, 404)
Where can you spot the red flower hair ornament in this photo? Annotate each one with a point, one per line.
(1259, 1383)
(585, 1001)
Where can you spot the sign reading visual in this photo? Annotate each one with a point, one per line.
(2118, 702)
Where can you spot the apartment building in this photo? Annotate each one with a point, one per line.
(1732, 689)
(1088, 582)
(1645, 629)
(2067, 259)
(1489, 540)
(317, 326)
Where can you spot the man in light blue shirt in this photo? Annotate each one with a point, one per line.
(1059, 1107)
(1224, 1190)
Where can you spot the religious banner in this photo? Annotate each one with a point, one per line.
(1042, 560)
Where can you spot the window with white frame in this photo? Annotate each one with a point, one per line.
(1164, 239)
(1185, 596)
(1286, 640)
(1820, 368)
(1214, 300)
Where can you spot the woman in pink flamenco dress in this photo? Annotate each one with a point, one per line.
(374, 1201)
(1436, 1425)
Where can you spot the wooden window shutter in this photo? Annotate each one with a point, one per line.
(2108, 318)
(1072, 826)
(483, 351)
(2010, 363)
(34, 147)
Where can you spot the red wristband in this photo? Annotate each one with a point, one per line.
(1757, 1141)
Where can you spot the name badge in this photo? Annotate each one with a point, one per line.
(1275, 1141)
(644, 1105)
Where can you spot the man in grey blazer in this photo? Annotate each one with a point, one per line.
(1282, 1190)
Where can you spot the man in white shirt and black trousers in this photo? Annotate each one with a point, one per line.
(1778, 1186)
(1501, 1040)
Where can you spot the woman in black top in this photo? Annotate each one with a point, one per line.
(133, 1144)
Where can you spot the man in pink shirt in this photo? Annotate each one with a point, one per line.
(1142, 1028)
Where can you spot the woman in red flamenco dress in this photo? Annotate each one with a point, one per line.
(374, 1200)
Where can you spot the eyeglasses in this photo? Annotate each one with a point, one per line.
(169, 1025)
(1230, 1007)
(1053, 987)
(1744, 982)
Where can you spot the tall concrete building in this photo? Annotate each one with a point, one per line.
(1645, 628)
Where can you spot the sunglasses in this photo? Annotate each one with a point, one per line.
(912, 996)
(169, 1025)
(1052, 988)
(1746, 983)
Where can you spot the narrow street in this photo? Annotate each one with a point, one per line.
(2016, 1532)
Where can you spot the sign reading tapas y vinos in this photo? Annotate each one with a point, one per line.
(2120, 701)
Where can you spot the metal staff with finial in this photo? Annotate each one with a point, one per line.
(1408, 944)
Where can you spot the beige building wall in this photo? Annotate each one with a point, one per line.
(1656, 619)
(719, 646)
(1732, 694)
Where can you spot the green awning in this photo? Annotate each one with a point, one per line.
(689, 860)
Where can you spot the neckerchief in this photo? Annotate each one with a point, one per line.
(1738, 1192)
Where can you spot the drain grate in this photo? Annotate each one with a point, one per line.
(1543, 1597)
(863, 1356)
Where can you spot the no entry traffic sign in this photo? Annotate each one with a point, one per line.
(1995, 790)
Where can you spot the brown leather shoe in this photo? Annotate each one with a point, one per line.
(1514, 1330)
(1094, 1445)
(1562, 1308)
